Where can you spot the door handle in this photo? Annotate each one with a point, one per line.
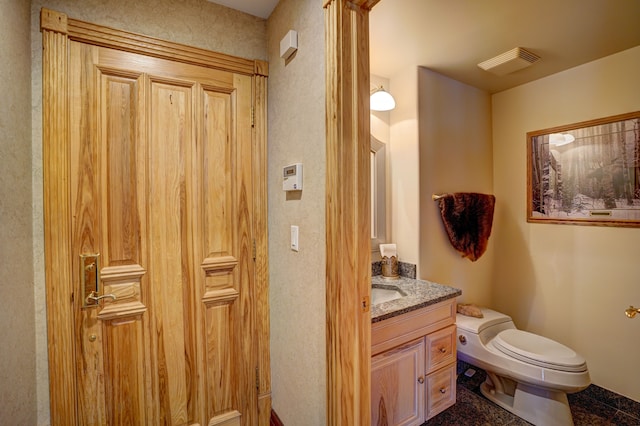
(631, 311)
(90, 280)
(93, 298)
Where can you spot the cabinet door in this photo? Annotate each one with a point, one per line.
(397, 385)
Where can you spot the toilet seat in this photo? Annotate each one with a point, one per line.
(538, 350)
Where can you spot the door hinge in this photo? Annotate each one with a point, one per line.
(257, 378)
(254, 249)
(253, 117)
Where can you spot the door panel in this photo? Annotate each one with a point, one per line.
(217, 156)
(216, 252)
(119, 104)
(150, 156)
(171, 273)
(161, 191)
(86, 207)
(123, 340)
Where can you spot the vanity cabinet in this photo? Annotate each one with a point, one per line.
(413, 368)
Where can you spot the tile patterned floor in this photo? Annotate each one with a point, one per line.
(592, 407)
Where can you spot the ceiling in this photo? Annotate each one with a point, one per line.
(452, 36)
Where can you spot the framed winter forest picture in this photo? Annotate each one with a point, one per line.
(585, 173)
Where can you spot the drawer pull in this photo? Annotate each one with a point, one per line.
(421, 380)
(443, 390)
(443, 350)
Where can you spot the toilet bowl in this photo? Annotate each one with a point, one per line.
(527, 374)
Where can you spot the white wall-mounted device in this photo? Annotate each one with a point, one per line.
(292, 177)
(289, 44)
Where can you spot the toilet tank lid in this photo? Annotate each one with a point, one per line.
(476, 325)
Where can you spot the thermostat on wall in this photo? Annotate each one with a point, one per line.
(292, 176)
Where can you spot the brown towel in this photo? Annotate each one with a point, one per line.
(470, 310)
(467, 217)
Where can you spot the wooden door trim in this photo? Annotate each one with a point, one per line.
(57, 227)
(348, 251)
(57, 31)
(260, 224)
(99, 35)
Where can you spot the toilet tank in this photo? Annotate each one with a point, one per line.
(488, 326)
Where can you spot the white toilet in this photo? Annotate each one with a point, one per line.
(527, 374)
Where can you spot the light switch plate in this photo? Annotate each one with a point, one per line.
(294, 237)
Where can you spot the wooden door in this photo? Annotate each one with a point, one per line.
(397, 386)
(162, 298)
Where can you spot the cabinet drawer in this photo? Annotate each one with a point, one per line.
(409, 326)
(441, 348)
(441, 390)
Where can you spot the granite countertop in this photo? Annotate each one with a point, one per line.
(419, 293)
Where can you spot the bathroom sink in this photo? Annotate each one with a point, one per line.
(381, 294)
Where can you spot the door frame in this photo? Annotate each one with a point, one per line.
(57, 30)
(348, 251)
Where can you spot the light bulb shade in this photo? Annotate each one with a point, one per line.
(381, 100)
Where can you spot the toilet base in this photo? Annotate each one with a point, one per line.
(542, 407)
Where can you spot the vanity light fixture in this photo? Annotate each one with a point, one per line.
(381, 100)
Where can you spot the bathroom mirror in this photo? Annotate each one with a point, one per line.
(585, 173)
(378, 157)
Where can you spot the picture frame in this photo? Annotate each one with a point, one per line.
(585, 173)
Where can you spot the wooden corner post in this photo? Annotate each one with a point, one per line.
(348, 270)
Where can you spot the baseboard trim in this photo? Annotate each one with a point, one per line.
(275, 420)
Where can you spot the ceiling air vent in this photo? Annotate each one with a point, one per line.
(508, 62)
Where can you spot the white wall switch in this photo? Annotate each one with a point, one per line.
(294, 237)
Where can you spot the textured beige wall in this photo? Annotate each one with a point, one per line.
(404, 166)
(193, 22)
(569, 283)
(455, 152)
(17, 356)
(297, 279)
(440, 141)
